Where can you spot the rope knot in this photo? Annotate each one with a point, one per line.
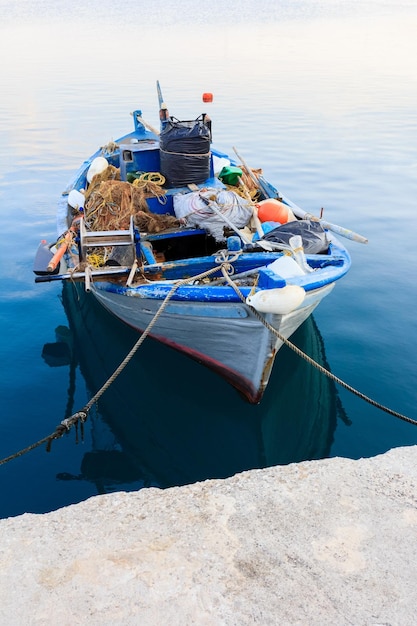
(226, 258)
(80, 416)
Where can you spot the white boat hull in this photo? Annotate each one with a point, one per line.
(226, 337)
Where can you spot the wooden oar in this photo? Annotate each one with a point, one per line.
(256, 181)
(255, 217)
(76, 276)
(159, 90)
(163, 110)
(298, 212)
(148, 126)
(339, 230)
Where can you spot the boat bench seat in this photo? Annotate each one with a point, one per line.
(167, 206)
(172, 232)
(146, 239)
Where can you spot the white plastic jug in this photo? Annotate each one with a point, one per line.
(76, 199)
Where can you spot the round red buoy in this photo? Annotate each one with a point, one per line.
(272, 210)
(207, 97)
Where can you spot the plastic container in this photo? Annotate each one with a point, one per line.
(76, 199)
(230, 175)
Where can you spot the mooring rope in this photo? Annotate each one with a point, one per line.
(225, 267)
(305, 356)
(81, 416)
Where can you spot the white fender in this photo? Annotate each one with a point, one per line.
(279, 301)
(98, 165)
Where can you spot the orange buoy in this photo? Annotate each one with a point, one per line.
(207, 97)
(272, 210)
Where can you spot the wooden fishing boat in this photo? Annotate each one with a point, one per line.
(191, 245)
(163, 441)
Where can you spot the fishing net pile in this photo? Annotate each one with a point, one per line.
(110, 203)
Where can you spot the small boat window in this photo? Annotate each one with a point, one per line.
(127, 156)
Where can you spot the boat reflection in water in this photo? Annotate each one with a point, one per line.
(167, 420)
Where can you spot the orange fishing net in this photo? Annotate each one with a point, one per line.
(111, 202)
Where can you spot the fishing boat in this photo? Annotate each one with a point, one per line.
(194, 247)
(163, 441)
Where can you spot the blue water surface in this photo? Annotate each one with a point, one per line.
(321, 95)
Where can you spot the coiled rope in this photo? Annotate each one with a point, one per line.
(225, 265)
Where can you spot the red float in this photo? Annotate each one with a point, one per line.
(272, 210)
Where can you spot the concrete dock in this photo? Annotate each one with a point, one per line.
(328, 542)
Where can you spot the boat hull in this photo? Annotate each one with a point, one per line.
(165, 434)
(228, 338)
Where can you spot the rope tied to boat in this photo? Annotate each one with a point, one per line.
(192, 155)
(81, 416)
(312, 362)
(63, 427)
(225, 261)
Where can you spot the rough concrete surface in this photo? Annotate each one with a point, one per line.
(320, 542)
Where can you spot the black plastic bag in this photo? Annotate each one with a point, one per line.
(185, 151)
(312, 233)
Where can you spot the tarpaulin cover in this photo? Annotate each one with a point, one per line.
(191, 208)
(312, 233)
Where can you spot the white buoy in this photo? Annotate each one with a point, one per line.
(98, 165)
(279, 301)
(76, 199)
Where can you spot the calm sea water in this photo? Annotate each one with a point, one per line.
(322, 96)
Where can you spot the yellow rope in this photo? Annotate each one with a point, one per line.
(151, 183)
(96, 260)
(152, 177)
